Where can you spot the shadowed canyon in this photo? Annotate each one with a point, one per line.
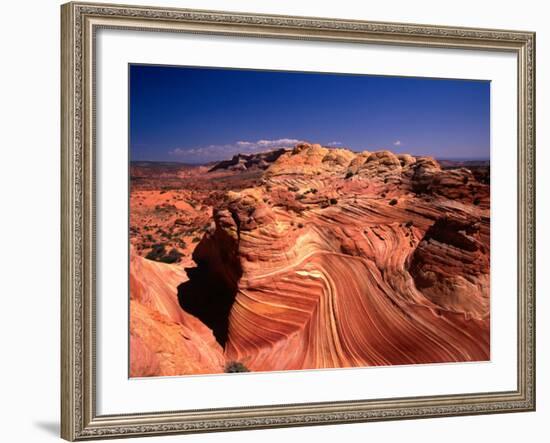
(308, 257)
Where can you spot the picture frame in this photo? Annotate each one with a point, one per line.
(80, 23)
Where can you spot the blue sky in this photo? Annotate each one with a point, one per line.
(199, 115)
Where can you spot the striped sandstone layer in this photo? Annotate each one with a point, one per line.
(164, 339)
(343, 259)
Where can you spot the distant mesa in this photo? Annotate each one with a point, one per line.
(243, 162)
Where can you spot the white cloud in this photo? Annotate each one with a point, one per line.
(211, 153)
(397, 143)
(334, 144)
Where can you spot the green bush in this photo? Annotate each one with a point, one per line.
(235, 366)
(173, 256)
(158, 253)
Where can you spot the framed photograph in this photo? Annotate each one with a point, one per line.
(283, 221)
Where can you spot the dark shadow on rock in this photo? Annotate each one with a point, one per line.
(447, 250)
(209, 297)
(454, 232)
(212, 286)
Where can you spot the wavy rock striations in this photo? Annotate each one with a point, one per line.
(164, 339)
(343, 259)
(331, 259)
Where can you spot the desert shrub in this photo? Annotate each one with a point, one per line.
(349, 174)
(409, 224)
(333, 201)
(157, 251)
(293, 188)
(173, 256)
(196, 239)
(393, 202)
(235, 366)
(300, 225)
(477, 201)
(313, 191)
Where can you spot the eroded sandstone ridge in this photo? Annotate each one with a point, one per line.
(164, 339)
(331, 259)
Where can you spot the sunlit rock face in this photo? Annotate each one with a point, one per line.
(328, 259)
(353, 260)
(164, 339)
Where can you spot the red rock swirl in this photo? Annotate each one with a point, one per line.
(337, 260)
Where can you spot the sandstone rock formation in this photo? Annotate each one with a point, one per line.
(335, 259)
(164, 339)
(393, 270)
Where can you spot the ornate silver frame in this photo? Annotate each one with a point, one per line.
(80, 21)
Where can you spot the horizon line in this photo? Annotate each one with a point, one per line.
(179, 162)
